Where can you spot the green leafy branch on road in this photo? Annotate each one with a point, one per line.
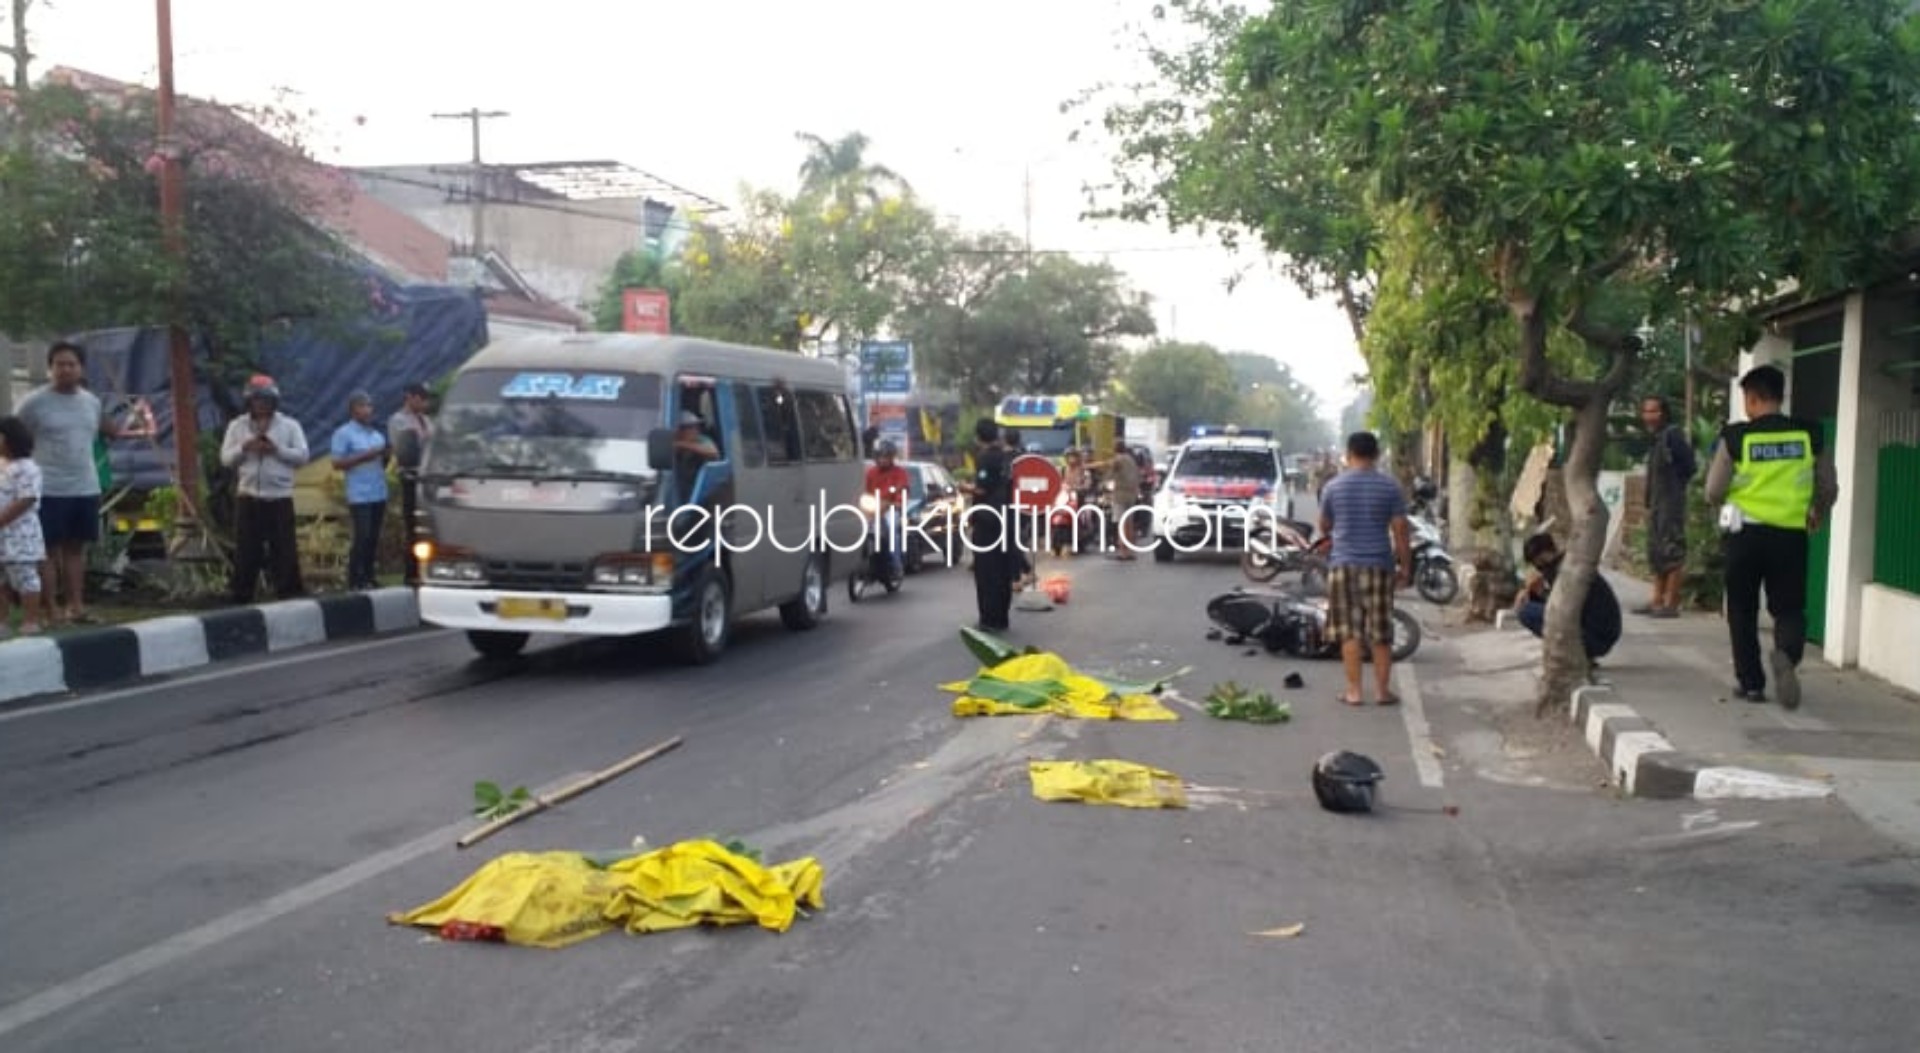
(1230, 701)
(491, 802)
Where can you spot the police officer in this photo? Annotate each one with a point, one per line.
(989, 526)
(1777, 480)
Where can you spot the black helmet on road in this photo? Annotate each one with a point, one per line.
(1344, 781)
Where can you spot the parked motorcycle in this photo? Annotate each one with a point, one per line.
(1294, 623)
(877, 566)
(1433, 573)
(1075, 523)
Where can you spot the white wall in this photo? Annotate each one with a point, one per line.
(1887, 618)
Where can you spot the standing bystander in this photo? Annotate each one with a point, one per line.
(1365, 512)
(360, 453)
(1670, 467)
(65, 419)
(22, 549)
(408, 430)
(264, 447)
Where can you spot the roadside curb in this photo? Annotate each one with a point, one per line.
(118, 654)
(1643, 763)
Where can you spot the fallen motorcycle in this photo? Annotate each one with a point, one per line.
(1282, 547)
(1290, 622)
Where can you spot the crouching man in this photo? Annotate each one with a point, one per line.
(1599, 617)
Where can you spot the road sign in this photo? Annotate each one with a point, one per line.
(645, 311)
(886, 367)
(1036, 481)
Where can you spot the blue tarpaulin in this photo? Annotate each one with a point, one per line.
(412, 333)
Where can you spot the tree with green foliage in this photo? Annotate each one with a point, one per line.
(81, 244)
(1271, 397)
(1603, 161)
(1187, 383)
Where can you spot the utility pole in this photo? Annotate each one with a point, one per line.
(1027, 209)
(186, 402)
(476, 187)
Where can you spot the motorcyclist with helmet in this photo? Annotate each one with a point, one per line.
(888, 484)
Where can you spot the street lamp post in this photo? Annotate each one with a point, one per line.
(186, 419)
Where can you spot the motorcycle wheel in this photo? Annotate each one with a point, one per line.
(1256, 565)
(1406, 635)
(856, 584)
(1438, 584)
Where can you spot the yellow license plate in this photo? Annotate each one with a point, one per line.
(528, 607)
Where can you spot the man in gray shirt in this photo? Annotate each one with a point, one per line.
(65, 419)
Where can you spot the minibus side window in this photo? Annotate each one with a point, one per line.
(753, 440)
(828, 429)
(781, 422)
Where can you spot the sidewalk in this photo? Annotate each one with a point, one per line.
(1665, 722)
(93, 658)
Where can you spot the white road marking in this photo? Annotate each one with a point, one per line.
(125, 969)
(1413, 713)
(215, 674)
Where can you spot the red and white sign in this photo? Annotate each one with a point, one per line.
(646, 311)
(1036, 481)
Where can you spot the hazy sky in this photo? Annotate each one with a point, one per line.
(959, 98)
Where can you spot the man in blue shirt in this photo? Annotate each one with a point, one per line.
(1365, 513)
(360, 452)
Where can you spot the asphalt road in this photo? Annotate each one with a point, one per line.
(207, 865)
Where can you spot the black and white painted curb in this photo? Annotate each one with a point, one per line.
(94, 658)
(1643, 763)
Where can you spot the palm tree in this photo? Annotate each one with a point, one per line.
(841, 168)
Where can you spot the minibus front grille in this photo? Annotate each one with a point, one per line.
(523, 574)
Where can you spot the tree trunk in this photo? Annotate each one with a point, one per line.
(1484, 536)
(1565, 656)
(22, 58)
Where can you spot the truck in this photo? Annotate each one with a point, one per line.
(1152, 432)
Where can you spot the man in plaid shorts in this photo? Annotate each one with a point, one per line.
(1365, 513)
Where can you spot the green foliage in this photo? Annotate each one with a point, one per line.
(1230, 701)
(490, 802)
(81, 242)
(1186, 383)
(1272, 397)
(853, 255)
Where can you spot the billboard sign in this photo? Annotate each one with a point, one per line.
(886, 367)
(646, 311)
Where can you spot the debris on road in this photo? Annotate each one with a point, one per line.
(556, 899)
(1230, 701)
(1044, 683)
(543, 802)
(1116, 782)
(491, 802)
(1284, 932)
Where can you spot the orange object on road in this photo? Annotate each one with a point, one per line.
(1058, 587)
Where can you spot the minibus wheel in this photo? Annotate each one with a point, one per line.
(701, 640)
(804, 611)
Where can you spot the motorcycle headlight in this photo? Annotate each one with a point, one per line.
(869, 503)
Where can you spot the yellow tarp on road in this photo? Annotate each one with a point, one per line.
(554, 899)
(1124, 783)
(1030, 684)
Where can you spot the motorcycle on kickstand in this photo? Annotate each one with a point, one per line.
(1433, 574)
(879, 564)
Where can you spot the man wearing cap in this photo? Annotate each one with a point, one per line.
(263, 448)
(408, 430)
(691, 450)
(360, 453)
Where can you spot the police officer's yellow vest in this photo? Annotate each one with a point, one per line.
(1773, 479)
